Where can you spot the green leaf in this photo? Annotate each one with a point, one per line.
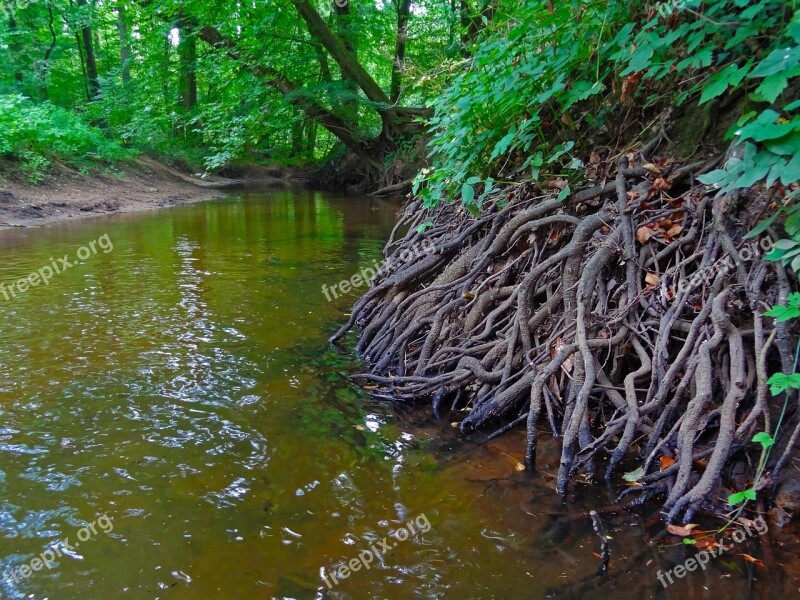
(788, 145)
(783, 313)
(764, 439)
(503, 144)
(765, 127)
(718, 83)
(779, 383)
(741, 497)
(424, 227)
(467, 193)
(563, 194)
(687, 541)
(760, 228)
(781, 59)
(473, 210)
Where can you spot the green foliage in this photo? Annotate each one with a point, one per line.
(792, 308)
(549, 76)
(34, 134)
(497, 116)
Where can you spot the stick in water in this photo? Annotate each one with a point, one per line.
(597, 524)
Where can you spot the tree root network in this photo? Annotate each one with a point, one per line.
(627, 320)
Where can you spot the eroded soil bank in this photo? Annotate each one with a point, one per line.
(144, 185)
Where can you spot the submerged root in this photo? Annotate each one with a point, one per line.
(629, 320)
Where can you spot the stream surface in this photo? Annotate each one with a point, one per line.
(181, 386)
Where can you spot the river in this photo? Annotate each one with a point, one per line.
(174, 425)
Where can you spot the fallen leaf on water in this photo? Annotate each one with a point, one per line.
(706, 543)
(359, 427)
(681, 530)
(753, 560)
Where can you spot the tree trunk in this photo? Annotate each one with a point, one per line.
(92, 80)
(16, 49)
(297, 137)
(311, 138)
(347, 63)
(124, 43)
(403, 11)
(42, 67)
(187, 50)
(344, 29)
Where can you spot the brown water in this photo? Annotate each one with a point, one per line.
(181, 385)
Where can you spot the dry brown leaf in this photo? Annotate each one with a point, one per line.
(643, 235)
(751, 559)
(651, 279)
(662, 184)
(650, 167)
(674, 230)
(683, 531)
(629, 86)
(665, 462)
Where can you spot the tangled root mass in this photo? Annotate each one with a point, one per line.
(627, 320)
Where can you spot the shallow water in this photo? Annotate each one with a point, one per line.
(181, 385)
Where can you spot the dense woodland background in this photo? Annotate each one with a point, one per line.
(496, 89)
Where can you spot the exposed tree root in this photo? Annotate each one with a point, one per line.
(627, 319)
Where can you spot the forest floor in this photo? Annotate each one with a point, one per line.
(145, 185)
